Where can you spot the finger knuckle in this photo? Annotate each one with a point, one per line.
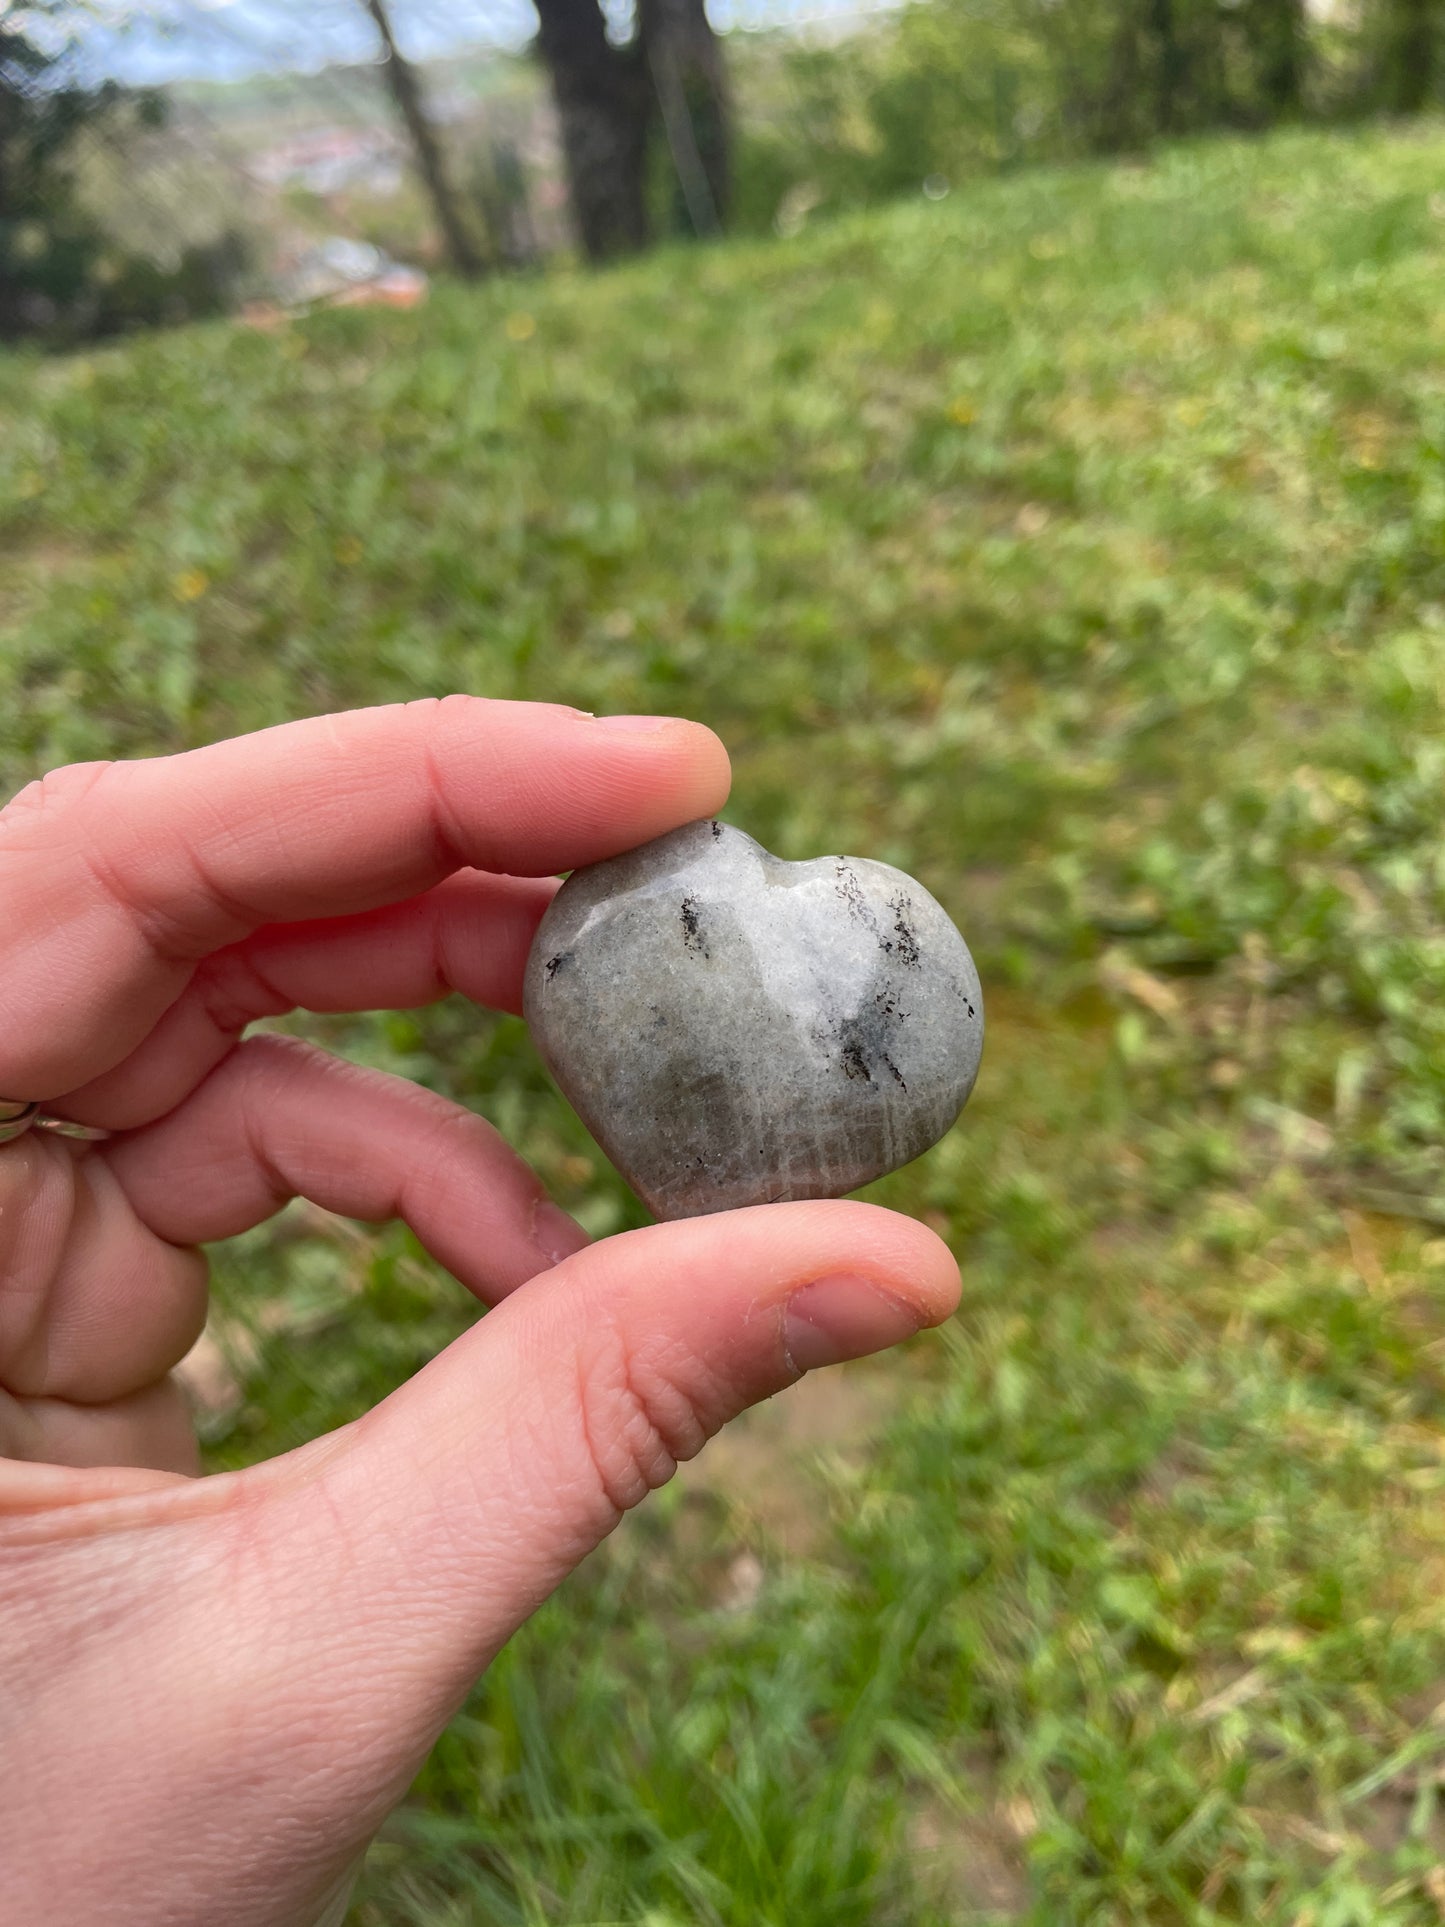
(440, 708)
(453, 1127)
(271, 1058)
(641, 1409)
(234, 991)
(81, 816)
(434, 715)
(51, 801)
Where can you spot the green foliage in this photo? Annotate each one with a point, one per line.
(61, 274)
(1076, 544)
(948, 90)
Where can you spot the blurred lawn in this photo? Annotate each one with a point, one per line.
(1078, 544)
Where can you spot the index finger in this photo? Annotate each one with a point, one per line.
(117, 879)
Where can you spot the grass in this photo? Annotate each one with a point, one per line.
(1076, 544)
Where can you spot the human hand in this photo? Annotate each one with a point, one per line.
(214, 1690)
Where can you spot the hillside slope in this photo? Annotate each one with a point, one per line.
(1079, 545)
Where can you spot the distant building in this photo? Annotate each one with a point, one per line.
(331, 160)
(341, 272)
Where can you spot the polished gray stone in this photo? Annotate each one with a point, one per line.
(733, 1029)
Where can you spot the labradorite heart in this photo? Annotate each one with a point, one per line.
(734, 1029)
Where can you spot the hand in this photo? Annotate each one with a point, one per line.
(214, 1690)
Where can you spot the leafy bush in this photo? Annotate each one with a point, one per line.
(948, 90)
(61, 276)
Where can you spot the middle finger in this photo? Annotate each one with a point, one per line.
(471, 934)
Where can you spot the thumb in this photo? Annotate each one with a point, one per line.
(434, 1526)
(279, 1648)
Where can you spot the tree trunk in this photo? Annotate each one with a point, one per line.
(603, 98)
(1170, 66)
(1115, 120)
(1410, 55)
(685, 62)
(406, 92)
(1280, 45)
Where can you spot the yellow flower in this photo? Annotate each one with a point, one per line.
(521, 326)
(962, 412)
(1191, 412)
(190, 584)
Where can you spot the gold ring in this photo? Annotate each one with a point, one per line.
(16, 1118)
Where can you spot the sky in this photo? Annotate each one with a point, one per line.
(149, 42)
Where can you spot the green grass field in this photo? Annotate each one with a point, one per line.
(1077, 543)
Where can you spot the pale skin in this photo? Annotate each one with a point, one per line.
(213, 1690)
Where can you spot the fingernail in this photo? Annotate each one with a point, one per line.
(637, 725)
(842, 1317)
(554, 1234)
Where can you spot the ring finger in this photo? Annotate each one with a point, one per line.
(280, 1119)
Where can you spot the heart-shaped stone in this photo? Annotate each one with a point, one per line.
(734, 1029)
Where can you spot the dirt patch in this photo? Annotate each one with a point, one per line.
(764, 1465)
(970, 1862)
